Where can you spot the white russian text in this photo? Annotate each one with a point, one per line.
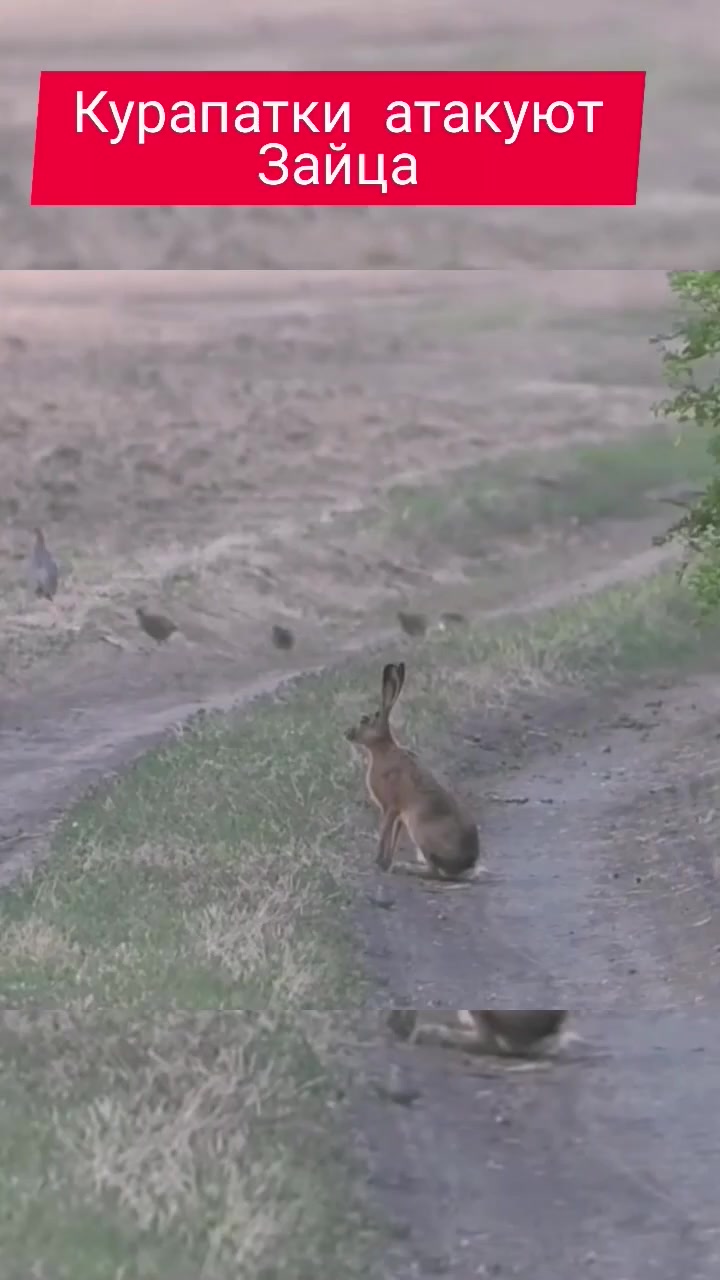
(379, 181)
(306, 168)
(343, 164)
(310, 165)
(515, 121)
(206, 108)
(464, 117)
(184, 111)
(343, 111)
(589, 114)
(275, 164)
(81, 111)
(548, 115)
(409, 163)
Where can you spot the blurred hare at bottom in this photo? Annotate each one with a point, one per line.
(510, 1032)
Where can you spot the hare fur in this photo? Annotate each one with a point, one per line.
(505, 1032)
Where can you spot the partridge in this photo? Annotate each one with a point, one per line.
(413, 624)
(42, 569)
(156, 625)
(282, 637)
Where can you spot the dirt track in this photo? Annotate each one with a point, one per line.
(604, 1166)
(679, 192)
(601, 838)
(600, 832)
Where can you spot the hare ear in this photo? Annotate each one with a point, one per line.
(400, 676)
(390, 686)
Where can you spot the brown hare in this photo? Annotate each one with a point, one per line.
(445, 837)
(506, 1032)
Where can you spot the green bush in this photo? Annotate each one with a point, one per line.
(691, 366)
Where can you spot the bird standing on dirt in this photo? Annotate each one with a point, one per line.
(282, 637)
(413, 624)
(42, 570)
(156, 625)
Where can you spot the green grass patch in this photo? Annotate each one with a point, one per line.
(213, 874)
(174, 1147)
(514, 496)
(624, 635)
(163, 1142)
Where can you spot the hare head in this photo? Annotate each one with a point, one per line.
(373, 729)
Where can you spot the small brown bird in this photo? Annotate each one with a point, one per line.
(282, 637)
(156, 625)
(43, 572)
(413, 624)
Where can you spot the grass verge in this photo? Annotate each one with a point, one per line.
(213, 876)
(176, 1147)
(513, 496)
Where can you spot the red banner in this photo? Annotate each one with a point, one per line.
(338, 138)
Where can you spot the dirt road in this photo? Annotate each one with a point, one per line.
(601, 837)
(605, 1165)
(600, 831)
(679, 190)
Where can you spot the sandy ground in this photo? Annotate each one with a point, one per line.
(679, 195)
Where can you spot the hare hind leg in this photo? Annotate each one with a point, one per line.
(422, 866)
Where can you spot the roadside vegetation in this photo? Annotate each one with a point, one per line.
(179, 1146)
(558, 487)
(691, 362)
